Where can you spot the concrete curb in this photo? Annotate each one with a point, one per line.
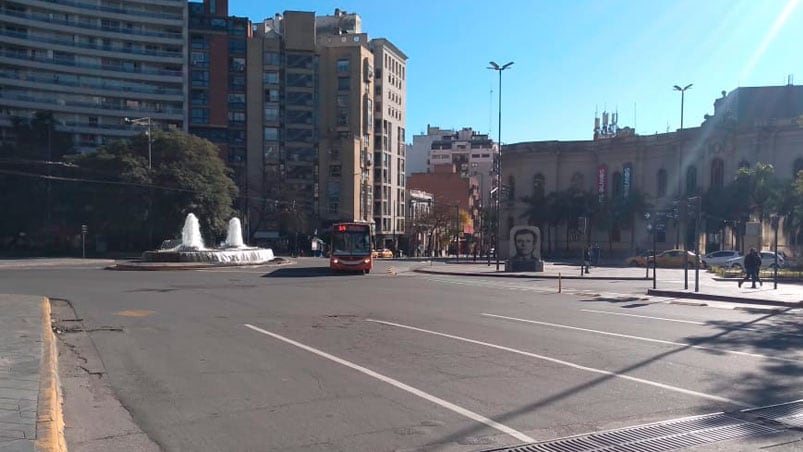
(128, 266)
(532, 276)
(49, 415)
(704, 296)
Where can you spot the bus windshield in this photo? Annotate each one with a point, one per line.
(349, 243)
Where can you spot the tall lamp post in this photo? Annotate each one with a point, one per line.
(774, 220)
(499, 69)
(144, 121)
(680, 184)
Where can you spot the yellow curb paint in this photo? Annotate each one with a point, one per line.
(135, 313)
(49, 418)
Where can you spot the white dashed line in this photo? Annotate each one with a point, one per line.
(393, 382)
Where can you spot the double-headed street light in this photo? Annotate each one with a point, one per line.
(499, 69)
(680, 184)
(144, 121)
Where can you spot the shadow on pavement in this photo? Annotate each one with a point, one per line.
(307, 272)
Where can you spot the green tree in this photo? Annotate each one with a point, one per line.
(139, 206)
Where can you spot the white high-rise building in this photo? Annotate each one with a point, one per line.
(91, 64)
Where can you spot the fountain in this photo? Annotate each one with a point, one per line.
(191, 248)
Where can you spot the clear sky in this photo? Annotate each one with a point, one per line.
(572, 58)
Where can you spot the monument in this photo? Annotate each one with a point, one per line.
(525, 250)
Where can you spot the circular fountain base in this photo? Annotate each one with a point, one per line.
(233, 256)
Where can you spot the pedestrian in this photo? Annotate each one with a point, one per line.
(587, 258)
(752, 265)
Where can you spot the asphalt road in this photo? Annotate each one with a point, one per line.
(295, 358)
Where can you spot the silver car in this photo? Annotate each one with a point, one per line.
(767, 261)
(719, 258)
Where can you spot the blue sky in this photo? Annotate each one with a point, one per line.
(572, 58)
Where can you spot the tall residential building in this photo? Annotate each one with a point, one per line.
(93, 64)
(217, 88)
(418, 152)
(390, 93)
(283, 127)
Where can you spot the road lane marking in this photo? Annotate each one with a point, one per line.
(646, 339)
(568, 364)
(643, 316)
(391, 381)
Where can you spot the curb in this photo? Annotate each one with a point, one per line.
(49, 415)
(701, 296)
(188, 266)
(532, 276)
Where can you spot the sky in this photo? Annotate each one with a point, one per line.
(572, 58)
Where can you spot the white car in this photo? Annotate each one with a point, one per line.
(767, 261)
(720, 258)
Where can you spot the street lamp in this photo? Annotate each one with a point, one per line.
(144, 121)
(680, 184)
(499, 69)
(774, 220)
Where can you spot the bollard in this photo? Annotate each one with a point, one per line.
(560, 283)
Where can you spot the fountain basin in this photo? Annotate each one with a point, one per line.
(239, 256)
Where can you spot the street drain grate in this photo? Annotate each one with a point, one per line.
(657, 437)
(788, 413)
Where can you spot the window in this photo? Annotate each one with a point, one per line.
(237, 47)
(717, 173)
(199, 59)
(270, 77)
(271, 112)
(691, 180)
(343, 66)
(199, 97)
(236, 100)
(300, 98)
(237, 64)
(343, 83)
(271, 95)
(617, 184)
(539, 184)
(300, 61)
(299, 80)
(798, 166)
(237, 82)
(199, 116)
(236, 116)
(334, 170)
(661, 183)
(200, 78)
(270, 134)
(271, 58)
(299, 117)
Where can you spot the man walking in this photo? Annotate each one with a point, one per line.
(587, 258)
(752, 264)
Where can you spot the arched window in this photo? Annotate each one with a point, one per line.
(797, 168)
(717, 173)
(691, 180)
(578, 181)
(539, 183)
(616, 180)
(661, 183)
(511, 187)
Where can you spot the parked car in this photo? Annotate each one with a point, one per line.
(639, 260)
(719, 258)
(767, 261)
(673, 258)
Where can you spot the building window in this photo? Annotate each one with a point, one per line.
(798, 166)
(617, 184)
(661, 183)
(271, 112)
(200, 78)
(199, 115)
(198, 42)
(343, 83)
(271, 95)
(539, 184)
(271, 58)
(300, 61)
(199, 59)
(578, 181)
(237, 82)
(299, 80)
(334, 170)
(717, 173)
(199, 97)
(237, 47)
(270, 77)
(691, 180)
(343, 66)
(271, 134)
(237, 64)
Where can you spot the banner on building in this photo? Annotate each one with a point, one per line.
(602, 181)
(627, 178)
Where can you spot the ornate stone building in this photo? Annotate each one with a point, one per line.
(749, 125)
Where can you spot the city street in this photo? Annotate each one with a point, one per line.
(296, 358)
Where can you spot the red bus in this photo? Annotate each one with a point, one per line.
(351, 248)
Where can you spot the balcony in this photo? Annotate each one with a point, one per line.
(20, 59)
(36, 80)
(26, 39)
(126, 13)
(89, 108)
(34, 19)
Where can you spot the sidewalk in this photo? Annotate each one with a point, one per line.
(30, 406)
(669, 283)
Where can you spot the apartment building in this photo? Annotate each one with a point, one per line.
(390, 92)
(92, 64)
(217, 83)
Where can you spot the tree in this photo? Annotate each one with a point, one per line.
(137, 206)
